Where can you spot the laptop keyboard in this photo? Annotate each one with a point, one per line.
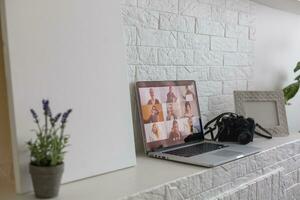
(195, 149)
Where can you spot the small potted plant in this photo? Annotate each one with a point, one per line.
(47, 151)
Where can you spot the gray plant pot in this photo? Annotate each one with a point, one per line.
(46, 180)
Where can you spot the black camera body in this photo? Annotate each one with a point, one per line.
(236, 128)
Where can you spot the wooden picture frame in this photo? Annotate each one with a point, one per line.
(266, 107)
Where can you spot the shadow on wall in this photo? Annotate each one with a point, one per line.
(276, 54)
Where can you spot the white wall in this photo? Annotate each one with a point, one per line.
(277, 51)
(210, 42)
(72, 52)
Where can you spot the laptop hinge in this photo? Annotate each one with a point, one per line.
(160, 149)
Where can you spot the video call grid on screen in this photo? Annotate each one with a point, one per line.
(169, 112)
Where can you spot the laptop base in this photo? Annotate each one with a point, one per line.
(212, 158)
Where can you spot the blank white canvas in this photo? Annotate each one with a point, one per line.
(70, 51)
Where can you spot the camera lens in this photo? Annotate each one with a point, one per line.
(244, 137)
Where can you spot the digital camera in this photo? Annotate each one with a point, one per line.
(236, 128)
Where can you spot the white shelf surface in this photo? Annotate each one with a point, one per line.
(148, 173)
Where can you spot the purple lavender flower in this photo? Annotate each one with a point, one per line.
(45, 103)
(55, 119)
(65, 116)
(34, 115)
(46, 106)
(49, 112)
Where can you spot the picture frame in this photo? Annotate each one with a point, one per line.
(266, 107)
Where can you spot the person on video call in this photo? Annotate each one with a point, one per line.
(154, 117)
(170, 112)
(189, 94)
(152, 100)
(171, 97)
(188, 110)
(155, 133)
(175, 134)
(189, 127)
(192, 127)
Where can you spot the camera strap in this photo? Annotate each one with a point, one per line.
(269, 135)
(216, 122)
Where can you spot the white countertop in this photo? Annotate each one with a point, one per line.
(148, 173)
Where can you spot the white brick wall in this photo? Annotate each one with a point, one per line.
(174, 22)
(193, 41)
(161, 5)
(223, 44)
(209, 41)
(140, 17)
(194, 8)
(207, 27)
(175, 56)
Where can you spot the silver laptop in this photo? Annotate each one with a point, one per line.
(169, 113)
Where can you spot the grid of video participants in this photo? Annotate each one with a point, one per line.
(169, 113)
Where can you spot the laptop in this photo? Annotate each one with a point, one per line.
(169, 112)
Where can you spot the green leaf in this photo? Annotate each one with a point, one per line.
(291, 90)
(297, 67)
(297, 78)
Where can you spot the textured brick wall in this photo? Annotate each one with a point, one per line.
(210, 41)
(273, 174)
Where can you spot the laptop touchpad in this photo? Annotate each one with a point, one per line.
(227, 153)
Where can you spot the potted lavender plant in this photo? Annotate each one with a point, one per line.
(47, 152)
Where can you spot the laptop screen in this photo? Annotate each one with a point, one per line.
(169, 112)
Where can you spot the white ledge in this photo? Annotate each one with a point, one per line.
(149, 173)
